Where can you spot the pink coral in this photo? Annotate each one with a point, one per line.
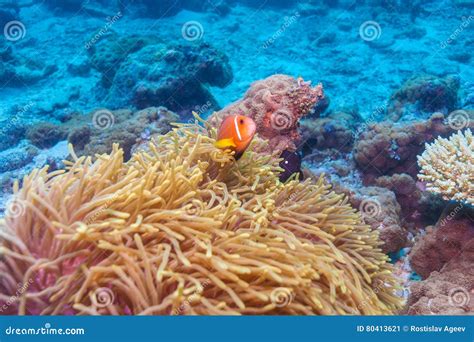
(276, 103)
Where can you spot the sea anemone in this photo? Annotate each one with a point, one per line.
(183, 228)
(447, 166)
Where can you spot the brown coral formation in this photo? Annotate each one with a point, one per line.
(276, 104)
(329, 132)
(441, 243)
(184, 229)
(380, 209)
(449, 291)
(99, 130)
(387, 148)
(424, 93)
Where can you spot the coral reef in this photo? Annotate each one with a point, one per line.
(447, 167)
(441, 243)
(184, 229)
(276, 104)
(337, 131)
(98, 131)
(387, 148)
(419, 207)
(110, 51)
(175, 77)
(380, 210)
(145, 72)
(449, 291)
(18, 157)
(45, 135)
(19, 69)
(424, 94)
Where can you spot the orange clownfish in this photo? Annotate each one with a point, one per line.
(236, 133)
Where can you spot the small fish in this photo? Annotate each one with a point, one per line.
(290, 164)
(236, 133)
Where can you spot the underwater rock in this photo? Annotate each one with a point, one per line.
(22, 70)
(12, 130)
(419, 208)
(17, 157)
(441, 242)
(45, 134)
(387, 148)
(22, 160)
(380, 209)
(107, 54)
(98, 131)
(168, 8)
(79, 67)
(276, 104)
(424, 94)
(449, 291)
(172, 76)
(337, 131)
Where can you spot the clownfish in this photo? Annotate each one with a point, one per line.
(235, 133)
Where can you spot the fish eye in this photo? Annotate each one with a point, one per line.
(241, 121)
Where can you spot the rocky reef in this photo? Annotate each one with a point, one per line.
(276, 104)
